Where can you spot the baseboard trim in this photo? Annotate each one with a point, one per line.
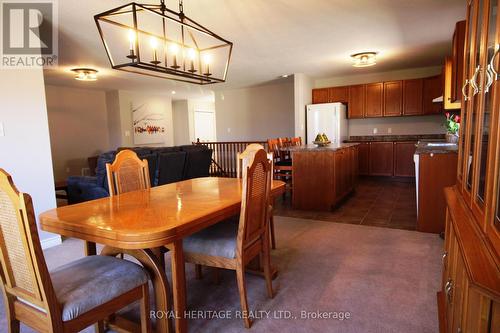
(51, 242)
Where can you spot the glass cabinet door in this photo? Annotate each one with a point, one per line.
(489, 86)
(477, 86)
(466, 91)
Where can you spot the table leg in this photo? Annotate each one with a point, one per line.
(179, 286)
(158, 277)
(90, 249)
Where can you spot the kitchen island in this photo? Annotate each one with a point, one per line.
(322, 176)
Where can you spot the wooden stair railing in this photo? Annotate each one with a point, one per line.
(224, 156)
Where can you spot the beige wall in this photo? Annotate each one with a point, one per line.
(180, 115)
(25, 145)
(255, 113)
(302, 96)
(398, 125)
(78, 123)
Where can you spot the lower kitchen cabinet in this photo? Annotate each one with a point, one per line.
(404, 166)
(381, 158)
(364, 159)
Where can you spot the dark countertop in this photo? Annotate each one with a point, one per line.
(314, 148)
(424, 148)
(395, 138)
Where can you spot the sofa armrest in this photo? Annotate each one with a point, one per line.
(82, 189)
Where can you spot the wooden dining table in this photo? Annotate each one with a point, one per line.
(136, 223)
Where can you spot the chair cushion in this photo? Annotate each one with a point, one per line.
(84, 284)
(218, 240)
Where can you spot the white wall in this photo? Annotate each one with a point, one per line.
(78, 123)
(25, 147)
(302, 96)
(255, 113)
(398, 125)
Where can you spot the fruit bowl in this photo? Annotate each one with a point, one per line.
(322, 143)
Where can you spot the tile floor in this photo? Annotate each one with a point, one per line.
(379, 202)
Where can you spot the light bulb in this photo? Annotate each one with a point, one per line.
(191, 54)
(154, 43)
(131, 35)
(174, 48)
(207, 59)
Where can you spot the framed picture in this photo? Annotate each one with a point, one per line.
(149, 124)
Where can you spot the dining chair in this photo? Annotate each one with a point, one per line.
(297, 141)
(127, 173)
(69, 298)
(282, 168)
(245, 159)
(232, 246)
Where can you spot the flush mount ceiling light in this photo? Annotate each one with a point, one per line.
(85, 74)
(156, 41)
(364, 59)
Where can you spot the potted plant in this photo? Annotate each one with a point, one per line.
(452, 125)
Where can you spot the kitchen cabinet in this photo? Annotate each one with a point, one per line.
(412, 97)
(457, 62)
(374, 100)
(448, 84)
(356, 104)
(338, 95)
(433, 88)
(364, 159)
(320, 95)
(322, 178)
(381, 158)
(386, 99)
(404, 166)
(393, 98)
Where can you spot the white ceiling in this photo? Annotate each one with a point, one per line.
(274, 37)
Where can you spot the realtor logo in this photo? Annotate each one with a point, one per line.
(29, 33)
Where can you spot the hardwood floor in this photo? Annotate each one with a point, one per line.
(381, 202)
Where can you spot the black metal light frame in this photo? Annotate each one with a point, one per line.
(136, 65)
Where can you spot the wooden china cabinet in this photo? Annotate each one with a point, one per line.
(469, 300)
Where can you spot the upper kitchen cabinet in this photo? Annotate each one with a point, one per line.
(412, 97)
(433, 88)
(356, 104)
(338, 94)
(374, 100)
(457, 62)
(393, 98)
(448, 84)
(320, 95)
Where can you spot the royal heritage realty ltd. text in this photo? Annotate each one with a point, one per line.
(276, 314)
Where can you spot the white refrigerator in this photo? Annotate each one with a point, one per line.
(328, 118)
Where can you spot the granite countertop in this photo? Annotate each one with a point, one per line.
(314, 148)
(395, 138)
(424, 148)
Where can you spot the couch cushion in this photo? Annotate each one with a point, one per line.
(102, 179)
(218, 240)
(82, 285)
(152, 166)
(197, 163)
(193, 147)
(171, 167)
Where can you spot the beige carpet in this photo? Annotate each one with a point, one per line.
(385, 278)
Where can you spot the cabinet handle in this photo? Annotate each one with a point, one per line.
(492, 62)
(448, 290)
(489, 78)
(445, 254)
(473, 82)
(466, 98)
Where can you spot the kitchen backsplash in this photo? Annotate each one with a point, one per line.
(397, 125)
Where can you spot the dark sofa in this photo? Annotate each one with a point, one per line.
(166, 165)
